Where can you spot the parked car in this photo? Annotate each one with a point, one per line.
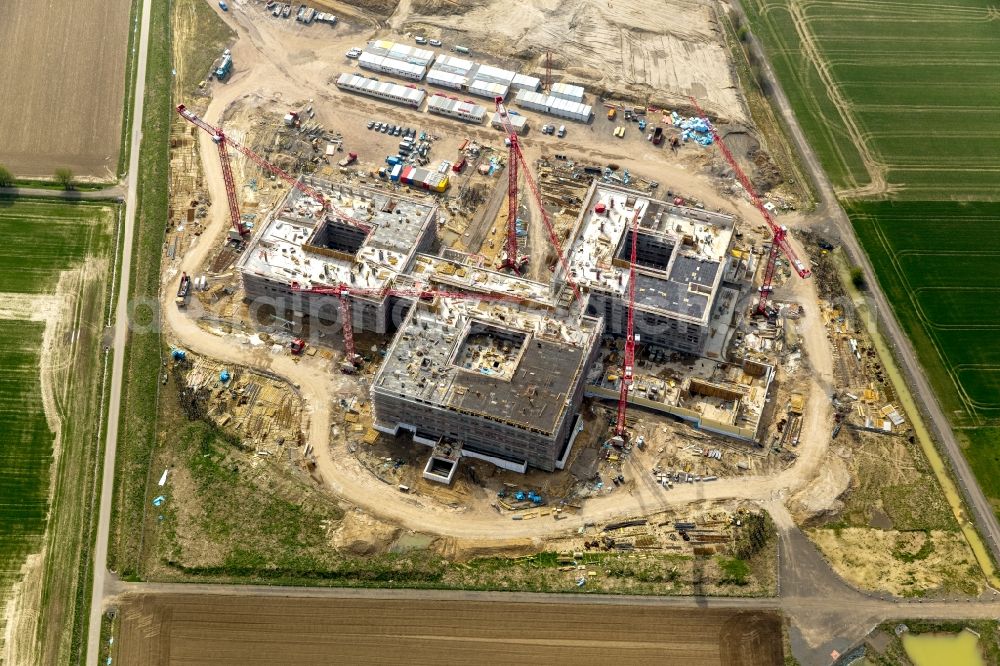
(562, 131)
(420, 40)
(354, 53)
(385, 128)
(548, 129)
(434, 42)
(371, 124)
(396, 131)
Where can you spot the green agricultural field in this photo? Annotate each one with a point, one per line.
(896, 97)
(900, 102)
(26, 448)
(43, 238)
(55, 270)
(937, 263)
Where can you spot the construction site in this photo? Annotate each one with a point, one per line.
(458, 328)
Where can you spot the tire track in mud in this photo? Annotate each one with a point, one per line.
(875, 168)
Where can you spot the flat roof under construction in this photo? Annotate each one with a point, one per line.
(285, 250)
(691, 245)
(540, 361)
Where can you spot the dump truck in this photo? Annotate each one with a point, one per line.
(350, 159)
(183, 290)
(225, 66)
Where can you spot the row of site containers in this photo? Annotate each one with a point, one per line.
(448, 106)
(555, 106)
(392, 92)
(387, 65)
(419, 177)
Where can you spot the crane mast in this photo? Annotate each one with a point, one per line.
(515, 161)
(778, 232)
(223, 142)
(628, 359)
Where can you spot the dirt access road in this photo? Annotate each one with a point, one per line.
(64, 82)
(341, 471)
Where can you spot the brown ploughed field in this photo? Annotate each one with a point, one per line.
(211, 629)
(63, 84)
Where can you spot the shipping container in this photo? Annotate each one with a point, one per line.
(518, 122)
(442, 79)
(488, 89)
(494, 75)
(553, 105)
(525, 82)
(381, 89)
(453, 65)
(567, 91)
(392, 66)
(410, 54)
(453, 108)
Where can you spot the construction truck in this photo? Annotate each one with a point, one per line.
(657, 136)
(297, 346)
(350, 159)
(183, 290)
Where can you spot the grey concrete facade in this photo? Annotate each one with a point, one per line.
(525, 417)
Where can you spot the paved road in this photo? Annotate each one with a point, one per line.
(982, 511)
(116, 192)
(118, 351)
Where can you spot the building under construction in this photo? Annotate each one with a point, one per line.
(299, 248)
(681, 260)
(498, 369)
(502, 383)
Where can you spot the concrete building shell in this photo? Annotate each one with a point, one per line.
(299, 248)
(681, 260)
(523, 414)
(503, 378)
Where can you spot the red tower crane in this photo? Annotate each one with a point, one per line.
(779, 232)
(343, 293)
(628, 360)
(515, 159)
(223, 142)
